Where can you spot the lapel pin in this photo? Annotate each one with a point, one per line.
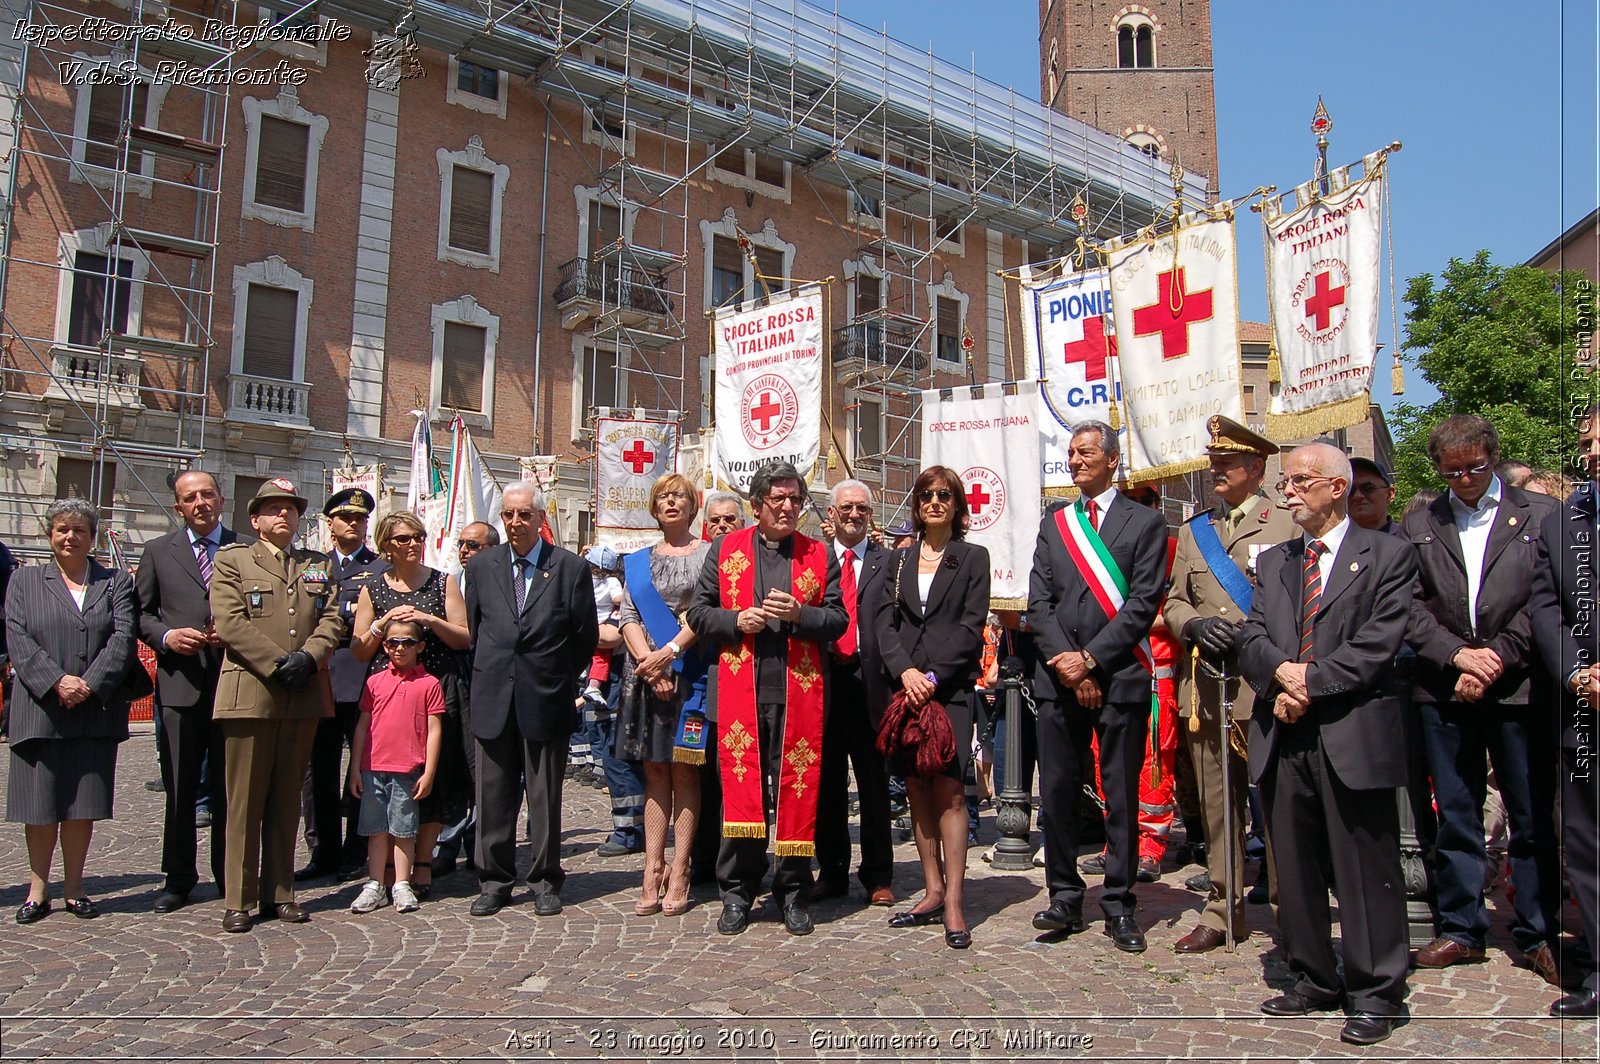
(1355, 567)
(1512, 522)
(546, 574)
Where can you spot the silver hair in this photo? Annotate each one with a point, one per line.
(850, 485)
(73, 507)
(717, 498)
(536, 498)
(1108, 436)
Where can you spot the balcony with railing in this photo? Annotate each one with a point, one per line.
(86, 376)
(268, 401)
(614, 289)
(880, 348)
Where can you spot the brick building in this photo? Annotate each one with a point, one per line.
(517, 218)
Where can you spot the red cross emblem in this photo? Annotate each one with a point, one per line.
(637, 457)
(763, 413)
(1173, 326)
(977, 498)
(1323, 300)
(1093, 349)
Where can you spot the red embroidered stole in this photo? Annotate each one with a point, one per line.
(738, 729)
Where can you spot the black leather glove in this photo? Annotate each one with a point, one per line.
(1215, 637)
(295, 670)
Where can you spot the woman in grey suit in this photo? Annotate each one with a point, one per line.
(70, 630)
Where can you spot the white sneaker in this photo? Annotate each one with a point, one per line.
(372, 897)
(405, 899)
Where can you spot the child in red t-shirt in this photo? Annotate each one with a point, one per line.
(392, 761)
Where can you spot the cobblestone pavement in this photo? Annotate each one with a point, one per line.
(598, 981)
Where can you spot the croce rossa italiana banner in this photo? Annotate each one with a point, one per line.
(768, 370)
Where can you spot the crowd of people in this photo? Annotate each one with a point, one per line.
(1298, 660)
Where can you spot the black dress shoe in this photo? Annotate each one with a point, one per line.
(33, 911)
(1124, 933)
(826, 888)
(797, 919)
(311, 871)
(1058, 918)
(734, 919)
(236, 921)
(488, 904)
(613, 848)
(1367, 1029)
(1583, 1003)
(169, 902)
(547, 903)
(1294, 1003)
(958, 939)
(916, 919)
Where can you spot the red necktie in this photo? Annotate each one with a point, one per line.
(1092, 508)
(1312, 597)
(846, 646)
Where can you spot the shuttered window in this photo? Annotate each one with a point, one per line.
(727, 270)
(869, 291)
(949, 328)
(602, 386)
(471, 197)
(605, 225)
(479, 80)
(108, 105)
(769, 263)
(75, 480)
(281, 152)
(461, 374)
(269, 332)
(86, 324)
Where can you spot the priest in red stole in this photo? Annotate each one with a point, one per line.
(769, 598)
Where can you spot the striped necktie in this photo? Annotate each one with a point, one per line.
(521, 586)
(202, 558)
(1312, 598)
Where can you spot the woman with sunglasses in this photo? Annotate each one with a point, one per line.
(411, 591)
(930, 639)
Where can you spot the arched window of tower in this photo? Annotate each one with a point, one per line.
(1136, 40)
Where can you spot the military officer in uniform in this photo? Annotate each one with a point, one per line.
(353, 565)
(275, 610)
(1213, 576)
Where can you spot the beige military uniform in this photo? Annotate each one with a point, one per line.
(265, 608)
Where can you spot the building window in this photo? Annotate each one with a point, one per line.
(472, 189)
(610, 132)
(108, 106)
(729, 273)
(948, 307)
(605, 226)
(770, 279)
(1146, 142)
(98, 114)
(283, 146)
(465, 338)
(869, 294)
(1249, 398)
(314, 49)
(865, 210)
(948, 233)
(244, 489)
(271, 313)
(1136, 41)
(868, 426)
(599, 379)
(749, 169)
(727, 270)
(476, 87)
(99, 289)
(75, 480)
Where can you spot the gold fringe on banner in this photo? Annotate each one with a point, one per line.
(1274, 366)
(1176, 469)
(1114, 417)
(1320, 420)
(1008, 604)
(795, 849)
(689, 757)
(1397, 378)
(735, 830)
(1068, 492)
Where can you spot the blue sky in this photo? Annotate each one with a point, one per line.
(1495, 103)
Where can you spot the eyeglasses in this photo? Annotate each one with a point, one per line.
(405, 539)
(469, 544)
(930, 494)
(1299, 482)
(776, 501)
(524, 515)
(400, 643)
(1370, 488)
(679, 495)
(1457, 474)
(854, 508)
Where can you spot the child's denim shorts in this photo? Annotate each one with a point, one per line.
(387, 804)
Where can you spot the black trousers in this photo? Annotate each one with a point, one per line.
(708, 832)
(848, 741)
(510, 767)
(189, 735)
(1582, 837)
(742, 863)
(1318, 824)
(1064, 729)
(322, 799)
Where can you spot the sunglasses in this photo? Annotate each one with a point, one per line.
(930, 494)
(469, 544)
(1457, 474)
(854, 508)
(400, 643)
(775, 501)
(405, 539)
(507, 515)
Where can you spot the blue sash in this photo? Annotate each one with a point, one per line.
(1234, 582)
(689, 742)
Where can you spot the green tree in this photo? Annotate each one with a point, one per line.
(1501, 342)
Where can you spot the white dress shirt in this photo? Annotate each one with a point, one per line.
(1475, 523)
(1333, 539)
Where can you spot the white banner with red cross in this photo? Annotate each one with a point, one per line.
(1176, 304)
(767, 361)
(629, 456)
(989, 434)
(1323, 279)
(1071, 345)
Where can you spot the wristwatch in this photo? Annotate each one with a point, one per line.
(1089, 662)
(677, 651)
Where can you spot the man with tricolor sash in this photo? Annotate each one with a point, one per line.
(1099, 570)
(1213, 583)
(770, 598)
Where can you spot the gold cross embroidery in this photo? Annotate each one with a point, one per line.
(735, 564)
(737, 741)
(800, 758)
(809, 586)
(805, 672)
(734, 658)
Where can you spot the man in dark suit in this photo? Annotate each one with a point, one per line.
(322, 799)
(1327, 744)
(848, 737)
(1471, 630)
(1095, 675)
(530, 607)
(174, 583)
(1562, 608)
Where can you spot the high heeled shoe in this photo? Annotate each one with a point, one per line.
(649, 902)
(676, 901)
(916, 919)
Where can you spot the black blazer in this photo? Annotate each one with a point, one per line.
(1064, 614)
(529, 665)
(173, 595)
(49, 637)
(1561, 607)
(1357, 700)
(943, 636)
(348, 675)
(871, 587)
(1439, 622)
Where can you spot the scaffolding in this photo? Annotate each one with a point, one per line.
(128, 166)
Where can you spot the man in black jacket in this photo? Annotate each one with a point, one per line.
(1471, 630)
